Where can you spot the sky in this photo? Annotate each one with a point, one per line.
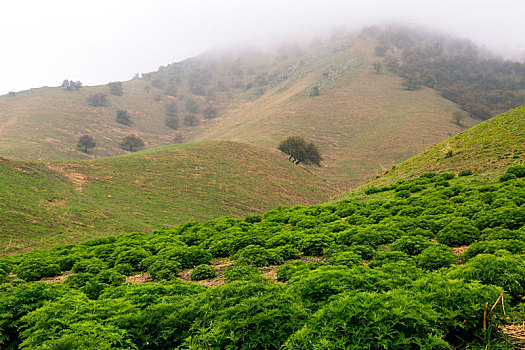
(98, 41)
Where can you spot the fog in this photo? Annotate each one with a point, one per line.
(97, 41)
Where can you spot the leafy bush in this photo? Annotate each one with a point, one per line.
(242, 273)
(411, 245)
(393, 320)
(465, 172)
(385, 257)
(346, 258)
(459, 232)
(288, 270)
(517, 170)
(435, 257)
(257, 256)
(92, 265)
(372, 190)
(164, 269)
(132, 257)
(507, 177)
(202, 272)
(4, 277)
(35, 268)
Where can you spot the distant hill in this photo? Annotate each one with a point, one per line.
(488, 148)
(49, 203)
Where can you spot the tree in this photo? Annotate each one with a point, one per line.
(299, 150)
(191, 120)
(115, 88)
(457, 117)
(71, 85)
(411, 81)
(85, 142)
(97, 100)
(132, 143)
(378, 67)
(123, 117)
(172, 123)
(171, 109)
(210, 112)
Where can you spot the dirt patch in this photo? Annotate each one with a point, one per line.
(60, 278)
(139, 278)
(516, 334)
(460, 250)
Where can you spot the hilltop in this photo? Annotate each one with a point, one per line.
(363, 120)
(487, 149)
(49, 203)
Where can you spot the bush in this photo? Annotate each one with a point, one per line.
(91, 265)
(507, 177)
(346, 258)
(459, 232)
(411, 245)
(4, 277)
(394, 320)
(97, 100)
(164, 269)
(242, 273)
(466, 172)
(435, 257)
(202, 272)
(386, 257)
(290, 269)
(123, 117)
(35, 268)
(132, 257)
(257, 256)
(372, 190)
(518, 170)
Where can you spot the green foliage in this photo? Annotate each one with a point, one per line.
(435, 257)
(394, 320)
(242, 272)
(466, 172)
(123, 117)
(459, 232)
(507, 177)
(132, 143)
(300, 151)
(37, 267)
(518, 170)
(202, 272)
(257, 256)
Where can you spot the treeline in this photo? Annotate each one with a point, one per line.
(462, 72)
(359, 274)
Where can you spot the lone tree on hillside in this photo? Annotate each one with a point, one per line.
(85, 142)
(115, 88)
(132, 143)
(97, 100)
(457, 117)
(300, 151)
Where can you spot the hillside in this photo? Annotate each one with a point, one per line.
(49, 203)
(363, 122)
(439, 266)
(487, 148)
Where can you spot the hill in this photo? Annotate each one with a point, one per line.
(361, 120)
(439, 266)
(49, 203)
(487, 148)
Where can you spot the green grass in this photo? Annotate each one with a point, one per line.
(488, 149)
(49, 203)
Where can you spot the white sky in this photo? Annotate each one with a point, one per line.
(43, 42)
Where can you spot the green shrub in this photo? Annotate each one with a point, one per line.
(503, 270)
(124, 269)
(4, 277)
(287, 252)
(92, 265)
(132, 257)
(366, 252)
(346, 258)
(466, 172)
(242, 273)
(507, 177)
(110, 277)
(385, 257)
(257, 256)
(372, 190)
(202, 272)
(290, 269)
(79, 280)
(163, 269)
(459, 232)
(411, 245)
(518, 170)
(34, 268)
(393, 320)
(435, 257)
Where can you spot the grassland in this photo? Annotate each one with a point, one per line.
(49, 203)
(486, 149)
(363, 122)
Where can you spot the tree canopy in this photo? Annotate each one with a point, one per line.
(300, 151)
(85, 142)
(132, 143)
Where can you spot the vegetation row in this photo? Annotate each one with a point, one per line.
(428, 263)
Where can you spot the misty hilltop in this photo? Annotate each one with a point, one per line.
(368, 99)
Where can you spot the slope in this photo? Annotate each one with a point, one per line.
(48, 203)
(487, 148)
(363, 121)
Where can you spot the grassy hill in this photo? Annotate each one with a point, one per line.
(49, 203)
(363, 122)
(488, 149)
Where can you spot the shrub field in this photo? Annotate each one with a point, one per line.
(428, 263)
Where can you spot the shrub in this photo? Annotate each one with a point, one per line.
(257, 256)
(459, 232)
(411, 245)
(290, 269)
(123, 117)
(518, 170)
(132, 257)
(435, 257)
(507, 177)
(4, 277)
(97, 100)
(465, 172)
(346, 258)
(79, 280)
(35, 268)
(393, 320)
(110, 277)
(164, 269)
(242, 273)
(124, 269)
(385, 257)
(91, 265)
(202, 272)
(372, 190)
(314, 244)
